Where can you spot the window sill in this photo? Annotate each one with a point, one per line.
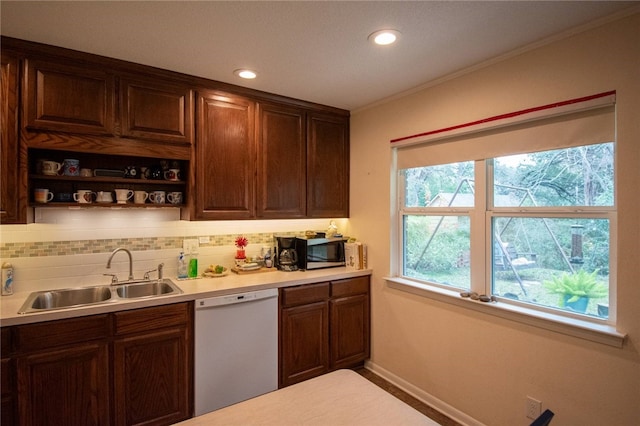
(600, 333)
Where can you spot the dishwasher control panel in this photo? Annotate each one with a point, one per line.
(236, 298)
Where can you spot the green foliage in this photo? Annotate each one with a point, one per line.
(576, 285)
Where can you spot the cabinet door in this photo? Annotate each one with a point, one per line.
(68, 98)
(281, 162)
(304, 340)
(225, 167)
(66, 386)
(11, 193)
(349, 331)
(151, 378)
(7, 378)
(156, 111)
(328, 166)
(7, 410)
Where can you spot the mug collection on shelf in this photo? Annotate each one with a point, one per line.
(122, 196)
(164, 170)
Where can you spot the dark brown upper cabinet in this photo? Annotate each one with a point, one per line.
(10, 178)
(245, 154)
(155, 111)
(60, 97)
(296, 164)
(225, 161)
(281, 157)
(327, 166)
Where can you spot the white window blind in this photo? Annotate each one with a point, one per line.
(539, 131)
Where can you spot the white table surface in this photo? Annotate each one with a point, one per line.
(342, 397)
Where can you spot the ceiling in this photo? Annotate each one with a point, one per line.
(312, 50)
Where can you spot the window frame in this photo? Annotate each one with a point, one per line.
(481, 217)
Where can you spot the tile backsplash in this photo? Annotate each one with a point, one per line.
(70, 248)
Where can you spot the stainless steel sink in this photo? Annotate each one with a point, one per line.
(146, 289)
(66, 298)
(41, 301)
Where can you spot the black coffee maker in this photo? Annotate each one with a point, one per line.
(286, 256)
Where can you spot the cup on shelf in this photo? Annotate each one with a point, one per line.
(104, 197)
(174, 197)
(172, 175)
(84, 196)
(86, 172)
(51, 168)
(123, 195)
(64, 197)
(140, 197)
(71, 167)
(157, 197)
(42, 195)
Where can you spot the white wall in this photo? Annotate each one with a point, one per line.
(482, 365)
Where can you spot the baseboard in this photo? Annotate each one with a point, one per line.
(423, 396)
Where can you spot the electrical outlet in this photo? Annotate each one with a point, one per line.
(534, 408)
(190, 246)
(204, 240)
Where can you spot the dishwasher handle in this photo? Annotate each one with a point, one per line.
(236, 298)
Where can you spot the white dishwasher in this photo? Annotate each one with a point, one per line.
(236, 348)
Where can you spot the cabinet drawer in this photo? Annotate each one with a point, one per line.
(50, 334)
(350, 286)
(151, 318)
(293, 296)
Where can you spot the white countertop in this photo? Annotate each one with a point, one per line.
(192, 289)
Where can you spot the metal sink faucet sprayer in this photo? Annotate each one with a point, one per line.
(130, 260)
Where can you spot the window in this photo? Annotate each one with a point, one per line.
(524, 213)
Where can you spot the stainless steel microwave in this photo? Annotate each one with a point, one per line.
(317, 253)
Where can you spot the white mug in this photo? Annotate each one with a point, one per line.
(84, 196)
(140, 197)
(50, 168)
(157, 197)
(174, 197)
(122, 195)
(104, 197)
(42, 195)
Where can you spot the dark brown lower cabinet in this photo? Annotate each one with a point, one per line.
(349, 330)
(323, 327)
(66, 386)
(7, 377)
(305, 342)
(152, 366)
(125, 368)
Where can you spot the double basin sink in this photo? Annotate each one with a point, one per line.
(41, 301)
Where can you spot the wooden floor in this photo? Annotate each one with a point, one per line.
(408, 399)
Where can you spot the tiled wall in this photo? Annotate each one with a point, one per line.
(70, 248)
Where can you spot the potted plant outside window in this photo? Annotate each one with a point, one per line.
(576, 289)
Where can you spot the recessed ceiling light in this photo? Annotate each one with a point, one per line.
(245, 73)
(384, 37)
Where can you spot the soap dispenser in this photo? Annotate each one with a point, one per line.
(182, 266)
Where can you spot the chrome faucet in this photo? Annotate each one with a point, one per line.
(130, 263)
